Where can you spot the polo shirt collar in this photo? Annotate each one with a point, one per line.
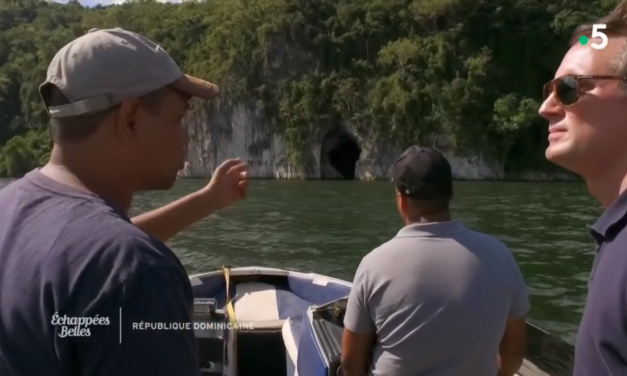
(431, 229)
(612, 221)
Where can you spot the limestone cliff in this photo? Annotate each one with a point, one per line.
(240, 130)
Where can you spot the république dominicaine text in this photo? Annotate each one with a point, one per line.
(188, 326)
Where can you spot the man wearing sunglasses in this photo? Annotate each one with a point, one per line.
(439, 298)
(586, 106)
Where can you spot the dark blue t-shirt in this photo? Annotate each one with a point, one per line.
(601, 348)
(75, 276)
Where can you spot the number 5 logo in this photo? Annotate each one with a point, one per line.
(599, 34)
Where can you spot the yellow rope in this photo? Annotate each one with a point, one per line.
(229, 305)
(231, 313)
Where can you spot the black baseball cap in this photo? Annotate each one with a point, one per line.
(423, 173)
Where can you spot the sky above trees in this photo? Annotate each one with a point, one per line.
(91, 3)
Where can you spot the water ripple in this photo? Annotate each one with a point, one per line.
(327, 227)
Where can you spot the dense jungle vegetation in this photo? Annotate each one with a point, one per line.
(405, 70)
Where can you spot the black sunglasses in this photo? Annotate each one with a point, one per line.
(566, 88)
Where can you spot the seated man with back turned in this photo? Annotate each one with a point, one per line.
(439, 298)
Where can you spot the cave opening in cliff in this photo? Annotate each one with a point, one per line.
(339, 155)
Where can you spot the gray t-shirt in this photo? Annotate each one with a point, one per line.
(66, 257)
(438, 297)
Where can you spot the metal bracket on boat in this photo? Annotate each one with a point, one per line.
(339, 310)
(208, 305)
(340, 371)
(337, 306)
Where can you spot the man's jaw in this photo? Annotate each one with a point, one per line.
(608, 182)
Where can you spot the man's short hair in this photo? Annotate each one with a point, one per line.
(425, 177)
(616, 26)
(78, 128)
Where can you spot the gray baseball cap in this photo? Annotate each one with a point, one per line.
(100, 69)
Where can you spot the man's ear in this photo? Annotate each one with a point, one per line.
(126, 120)
(400, 202)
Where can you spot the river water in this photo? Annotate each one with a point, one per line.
(328, 226)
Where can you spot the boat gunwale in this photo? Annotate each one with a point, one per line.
(261, 270)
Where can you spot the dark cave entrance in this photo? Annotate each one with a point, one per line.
(339, 155)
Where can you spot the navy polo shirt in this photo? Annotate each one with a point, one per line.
(75, 278)
(601, 347)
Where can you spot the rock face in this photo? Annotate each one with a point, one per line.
(337, 152)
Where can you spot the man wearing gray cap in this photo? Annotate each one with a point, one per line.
(76, 273)
(439, 298)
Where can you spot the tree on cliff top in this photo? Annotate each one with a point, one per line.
(401, 70)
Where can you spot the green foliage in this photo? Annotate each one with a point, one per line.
(24, 153)
(398, 70)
